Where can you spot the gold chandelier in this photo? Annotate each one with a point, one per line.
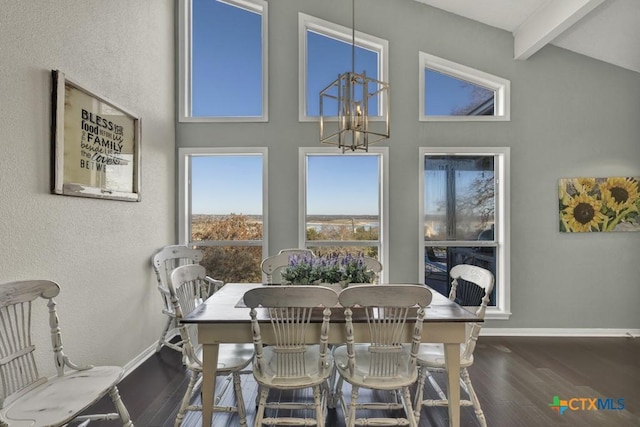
(354, 93)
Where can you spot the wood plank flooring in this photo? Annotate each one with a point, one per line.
(515, 378)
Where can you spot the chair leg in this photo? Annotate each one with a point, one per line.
(417, 403)
(331, 397)
(264, 392)
(120, 408)
(186, 399)
(351, 420)
(338, 397)
(436, 386)
(474, 398)
(163, 336)
(317, 399)
(237, 387)
(406, 398)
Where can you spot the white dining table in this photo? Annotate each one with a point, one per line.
(223, 318)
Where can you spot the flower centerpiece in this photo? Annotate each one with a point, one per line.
(331, 268)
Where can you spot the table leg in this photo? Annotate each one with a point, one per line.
(452, 357)
(209, 372)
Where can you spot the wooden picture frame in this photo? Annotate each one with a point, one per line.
(96, 144)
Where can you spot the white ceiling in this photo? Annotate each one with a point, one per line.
(608, 30)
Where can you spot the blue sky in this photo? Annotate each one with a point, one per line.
(227, 81)
(224, 184)
(346, 185)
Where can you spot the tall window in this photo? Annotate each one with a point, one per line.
(325, 52)
(223, 60)
(222, 209)
(455, 92)
(464, 217)
(343, 202)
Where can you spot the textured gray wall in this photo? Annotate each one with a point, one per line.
(571, 116)
(97, 250)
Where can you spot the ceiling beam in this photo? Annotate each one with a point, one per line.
(547, 23)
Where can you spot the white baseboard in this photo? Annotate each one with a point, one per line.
(139, 359)
(147, 353)
(559, 332)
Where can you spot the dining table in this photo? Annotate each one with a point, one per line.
(223, 318)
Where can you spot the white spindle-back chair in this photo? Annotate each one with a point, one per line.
(164, 262)
(431, 356)
(290, 362)
(374, 265)
(297, 251)
(186, 285)
(385, 362)
(29, 400)
(272, 265)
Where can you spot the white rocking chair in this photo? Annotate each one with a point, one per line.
(31, 400)
(164, 262)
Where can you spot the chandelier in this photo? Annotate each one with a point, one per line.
(354, 95)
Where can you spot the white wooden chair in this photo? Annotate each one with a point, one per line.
(385, 363)
(431, 356)
(29, 400)
(290, 363)
(185, 287)
(163, 262)
(297, 251)
(272, 265)
(374, 265)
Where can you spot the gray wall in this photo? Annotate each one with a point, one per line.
(97, 250)
(571, 116)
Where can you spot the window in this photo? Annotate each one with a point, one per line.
(454, 92)
(222, 209)
(343, 202)
(325, 52)
(464, 211)
(223, 60)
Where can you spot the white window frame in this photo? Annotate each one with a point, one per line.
(502, 231)
(184, 193)
(501, 87)
(383, 199)
(185, 44)
(338, 32)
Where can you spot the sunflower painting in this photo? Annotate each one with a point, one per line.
(599, 204)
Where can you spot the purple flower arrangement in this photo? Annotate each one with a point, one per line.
(331, 268)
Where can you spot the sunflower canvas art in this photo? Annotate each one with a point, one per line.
(599, 204)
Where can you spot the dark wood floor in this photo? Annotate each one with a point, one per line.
(515, 378)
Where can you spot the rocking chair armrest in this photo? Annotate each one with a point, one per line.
(213, 285)
(75, 366)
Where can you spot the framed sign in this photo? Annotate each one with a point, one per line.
(96, 145)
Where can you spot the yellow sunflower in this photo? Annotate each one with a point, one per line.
(584, 185)
(583, 214)
(619, 193)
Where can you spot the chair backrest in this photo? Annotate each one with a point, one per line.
(374, 265)
(272, 265)
(471, 286)
(167, 259)
(297, 251)
(289, 309)
(18, 367)
(187, 283)
(386, 308)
